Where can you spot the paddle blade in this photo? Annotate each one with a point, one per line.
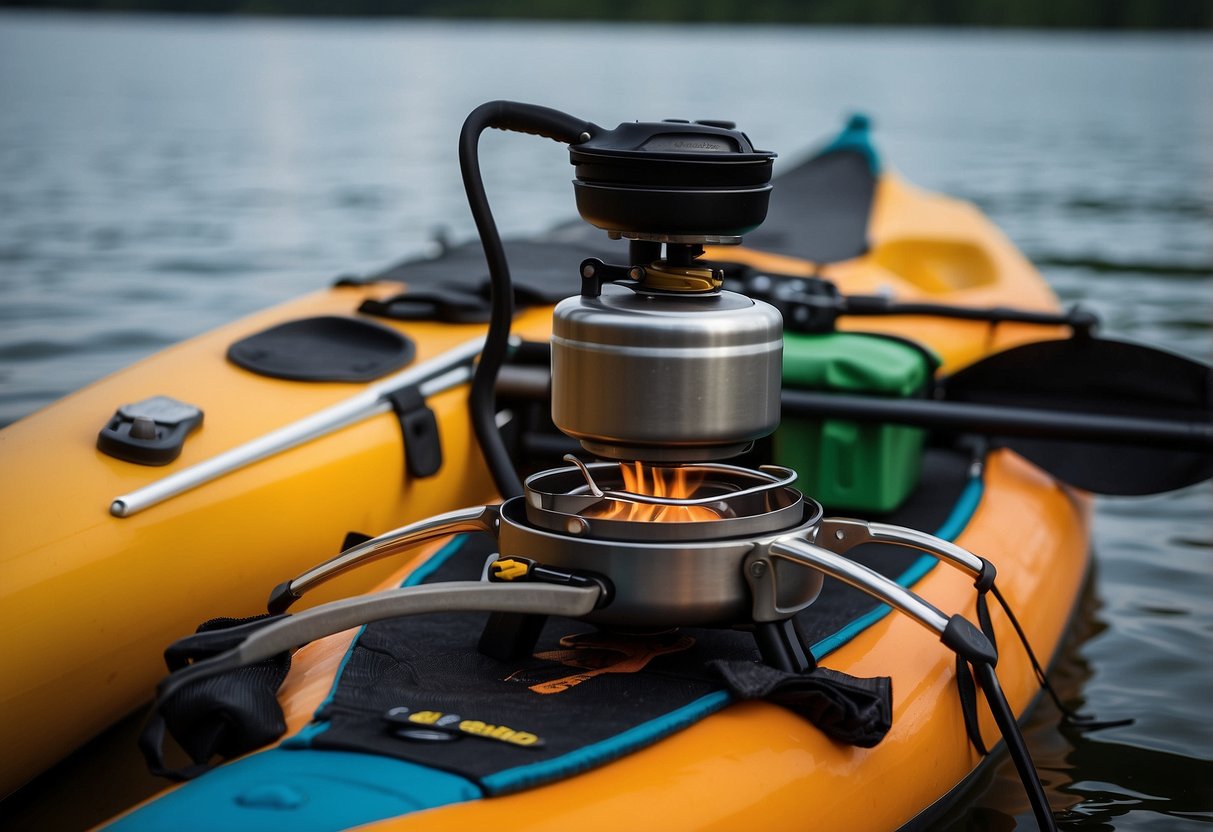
(1110, 379)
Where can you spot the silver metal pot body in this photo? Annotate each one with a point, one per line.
(664, 583)
(666, 378)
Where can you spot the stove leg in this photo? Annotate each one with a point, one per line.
(782, 646)
(510, 635)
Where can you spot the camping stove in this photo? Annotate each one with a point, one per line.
(732, 552)
(670, 560)
(659, 369)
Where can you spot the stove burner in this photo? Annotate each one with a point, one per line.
(582, 501)
(663, 574)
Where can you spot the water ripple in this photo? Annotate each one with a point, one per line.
(120, 340)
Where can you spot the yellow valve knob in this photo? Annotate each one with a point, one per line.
(508, 569)
(668, 277)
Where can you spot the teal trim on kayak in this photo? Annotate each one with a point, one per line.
(956, 522)
(963, 511)
(301, 790)
(856, 137)
(434, 563)
(307, 733)
(583, 759)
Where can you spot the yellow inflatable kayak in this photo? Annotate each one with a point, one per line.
(272, 461)
(752, 760)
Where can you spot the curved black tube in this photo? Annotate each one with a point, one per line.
(522, 118)
(1016, 747)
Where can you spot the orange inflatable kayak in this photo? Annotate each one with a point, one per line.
(281, 468)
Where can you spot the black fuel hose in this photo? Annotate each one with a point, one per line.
(1016, 747)
(519, 118)
(974, 647)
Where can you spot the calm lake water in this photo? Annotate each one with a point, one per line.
(159, 176)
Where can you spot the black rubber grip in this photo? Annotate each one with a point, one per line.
(281, 598)
(518, 117)
(968, 642)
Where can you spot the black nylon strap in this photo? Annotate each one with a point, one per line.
(966, 689)
(212, 638)
(226, 715)
(459, 304)
(845, 708)
(966, 685)
(418, 430)
(1084, 722)
(448, 304)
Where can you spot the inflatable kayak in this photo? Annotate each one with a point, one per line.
(188, 485)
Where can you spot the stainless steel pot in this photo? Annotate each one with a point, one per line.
(657, 377)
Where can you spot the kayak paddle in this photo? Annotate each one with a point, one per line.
(1106, 416)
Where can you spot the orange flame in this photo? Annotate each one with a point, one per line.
(676, 483)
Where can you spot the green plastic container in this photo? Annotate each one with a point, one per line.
(842, 464)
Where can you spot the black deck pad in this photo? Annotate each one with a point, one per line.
(584, 697)
(327, 348)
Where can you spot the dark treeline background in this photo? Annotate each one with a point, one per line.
(1093, 14)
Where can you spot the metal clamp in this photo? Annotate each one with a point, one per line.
(767, 573)
(842, 534)
(473, 519)
(823, 548)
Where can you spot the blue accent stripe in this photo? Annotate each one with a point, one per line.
(583, 759)
(303, 791)
(963, 511)
(961, 514)
(435, 562)
(306, 734)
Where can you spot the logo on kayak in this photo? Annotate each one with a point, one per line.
(596, 654)
(437, 726)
